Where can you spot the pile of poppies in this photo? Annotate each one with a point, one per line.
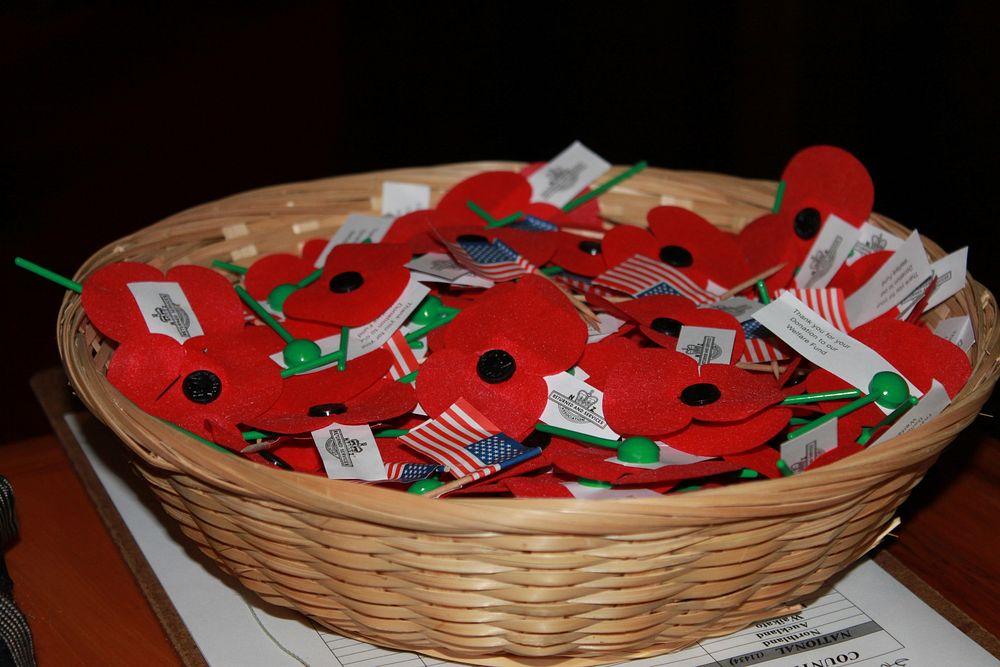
(257, 390)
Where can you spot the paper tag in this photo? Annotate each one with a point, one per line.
(835, 241)
(438, 264)
(802, 450)
(668, 457)
(594, 493)
(356, 229)
(349, 452)
(376, 333)
(958, 330)
(575, 405)
(579, 373)
(934, 401)
(707, 345)
(950, 274)
(559, 181)
(166, 309)
(872, 239)
(815, 339)
(402, 198)
(739, 307)
(898, 277)
(606, 325)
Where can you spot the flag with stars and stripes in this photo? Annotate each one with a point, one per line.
(753, 329)
(643, 276)
(411, 472)
(466, 442)
(493, 260)
(404, 361)
(760, 351)
(827, 301)
(532, 224)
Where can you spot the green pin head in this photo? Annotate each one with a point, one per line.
(424, 485)
(639, 450)
(299, 351)
(430, 310)
(890, 388)
(276, 299)
(594, 483)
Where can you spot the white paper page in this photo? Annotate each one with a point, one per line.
(898, 277)
(402, 198)
(356, 229)
(559, 181)
(827, 254)
(958, 330)
(800, 451)
(349, 452)
(950, 272)
(575, 405)
(872, 239)
(166, 309)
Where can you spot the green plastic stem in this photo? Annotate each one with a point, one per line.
(573, 435)
(481, 212)
(256, 435)
(309, 365)
(391, 433)
(417, 334)
(409, 377)
(235, 268)
(265, 316)
(604, 187)
(778, 196)
(839, 412)
(502, 222)
(551, 270)
(821, 396)
(784, 469)
(49, 275)
(342, 361)
(868, 431)
(310, 279)
(197, 437)
(765, 298)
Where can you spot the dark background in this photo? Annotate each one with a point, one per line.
(118, 117)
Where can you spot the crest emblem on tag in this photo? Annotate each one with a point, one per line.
(822, 261)
(580, 407)
(343, 448)
(561, 178)
(705, 352)
(173, 313)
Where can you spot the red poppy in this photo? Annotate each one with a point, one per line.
(359, 282)
(599, 358)
(577, 254)
(852, 278)
(658, 391)
(819, 181)
(683, 239)
(112, 307)
(661, 316)
(726, 438)
(536, 247)
(499, 193)
(584, 216)
(207, 386)
(497, 351)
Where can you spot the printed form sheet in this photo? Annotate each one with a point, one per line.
(868, 619)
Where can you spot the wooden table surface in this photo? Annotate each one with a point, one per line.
(86, 608)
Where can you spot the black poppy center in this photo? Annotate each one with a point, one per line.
(700, 394)
(667, 326)
(590, 247)
(472, 238)
(807, 222)
(674, 255)
(201, 387)
(539, 439)
(345, 282)
(495, 366)
(327, 409)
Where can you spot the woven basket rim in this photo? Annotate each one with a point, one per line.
(314, 493)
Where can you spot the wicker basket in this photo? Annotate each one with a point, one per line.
(498, 580)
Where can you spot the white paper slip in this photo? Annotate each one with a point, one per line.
(739, 307)
(933, 402)
(707, 345)
(802, 450)
(596, 493)
(958, 330)
(439, 265)
(828, 252)
(815, 339)
(575, 405)
(668, 457)
(349, 452)
(166, 309)
(402, 198)
(356, 229)
(893, 282)
(606, 325)
(376, 333)
(559, 181)
(872, 239)
(950, 272)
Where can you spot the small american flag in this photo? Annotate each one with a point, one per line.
(411, 472)
(499, 452)
(404, 361)
(532, 224)
(759, 351)
(494, 260)
(827, 301)
(642, 276)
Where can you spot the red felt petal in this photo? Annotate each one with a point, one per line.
(743, 393)
(584, 216)
(592, 463)
(383, 400)
(648, 308)
(763, 459)
(599, 358)
(625, 241)
(722, 438)
(715, 253)
(831, 180)
(851, 278)
(573, 253)
(544, 486)
(842, 450)
(415, 230)
(312, 249)
(272, 270)
(641, 392)
(449, 374)
(500, 193)
(769, 241)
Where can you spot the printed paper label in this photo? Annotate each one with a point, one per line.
(438, 264)
(376, 333)
(739, 307)
(166, 309)
(606, 325)
(958, 330)
(402, 198)
(349, 452)
(575, 405)
(950, 274)
(559, 181)
(802, 450)
(707, 345)
(898, 277)
(593, 493)
(872, 239)
(930, 406)
(811, 336)
(832, 245)
(356, 229)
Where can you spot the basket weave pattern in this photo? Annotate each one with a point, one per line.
(498, 580)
